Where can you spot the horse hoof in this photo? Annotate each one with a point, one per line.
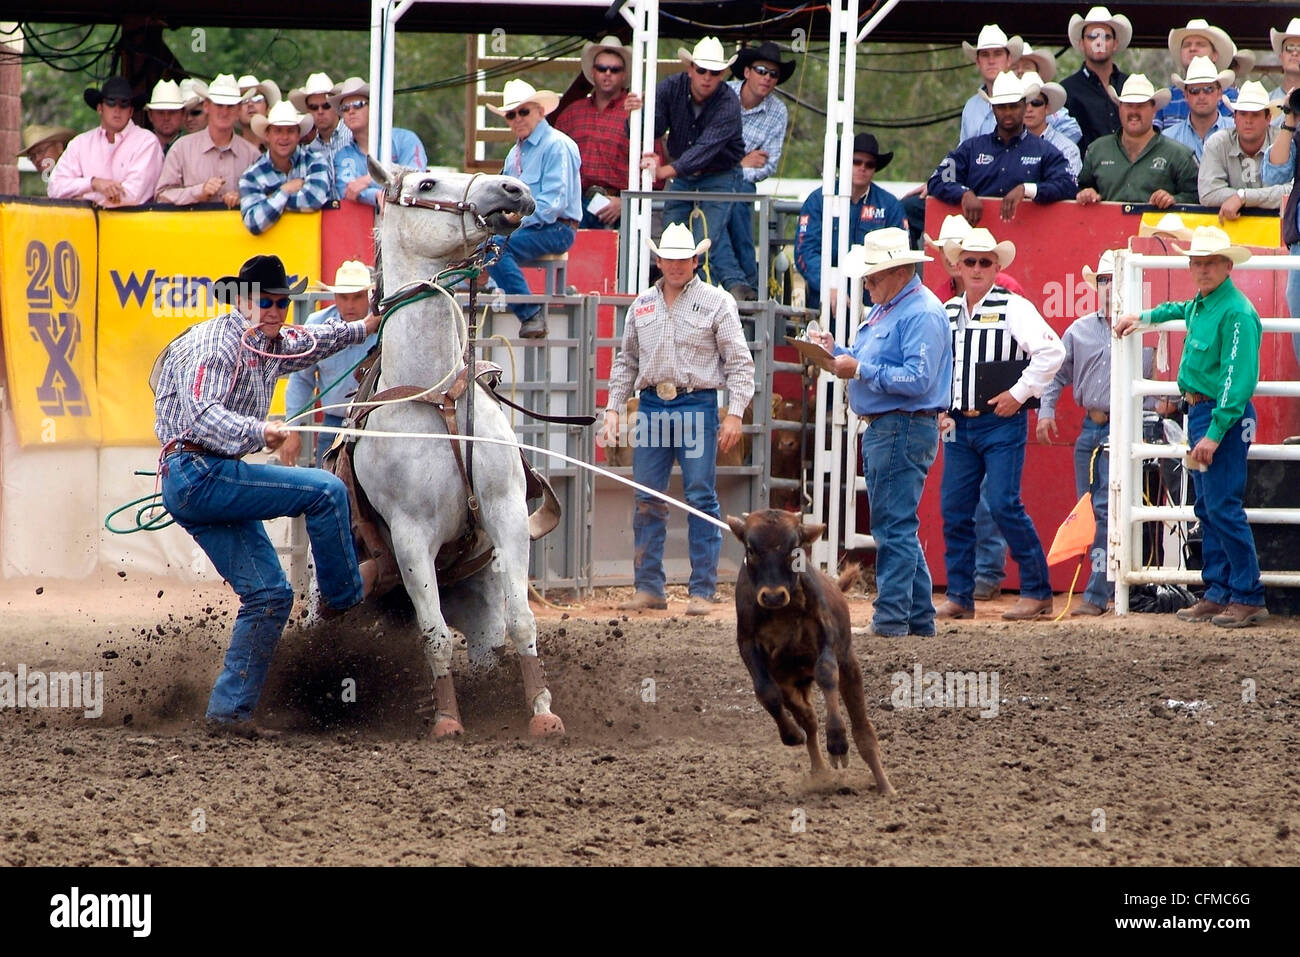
(545, 725)
(448, 728)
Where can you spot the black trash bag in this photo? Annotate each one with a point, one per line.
(1159, 599)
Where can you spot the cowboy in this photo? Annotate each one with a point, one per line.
(1203, 87)
(288, 177)
(900, 378)
(211, 403)
(1044, 64)
(258, 98)
(206, 166)
(706, 142)
(1199, 39)
(1009, 162)
(115, 164)
(1217, 376)
(43, 145)
(682, 342)
(991, 325)
(870, 207)
(1099, 36)
(1043, 101)
(325, 134)
(1286, 45)
(1232, 165)
(330, 380)
(547, 162)
(165, 112)
(1282, 166)
(993, 53)
(351, 100)
(1138, 165)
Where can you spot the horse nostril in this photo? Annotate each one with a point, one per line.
(511, 188)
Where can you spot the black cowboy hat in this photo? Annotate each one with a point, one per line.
(117, 88)
(265, 273)
(866, 143)
(767, 50)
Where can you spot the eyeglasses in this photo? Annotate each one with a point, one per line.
(1038, 102)
(1202, 90)
(266, 302)
(523, 111)
(1097, 35)
(198, 112)
(703, 72)
(970, 262)
(319, 107)
(1291, 48)
(868, 163)
(113, 102)
(353, 105)
(604, 68)
(764, 70)
(255, 99)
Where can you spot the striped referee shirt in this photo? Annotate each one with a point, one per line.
(1000, 327)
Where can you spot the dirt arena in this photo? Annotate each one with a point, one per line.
(1114, 742)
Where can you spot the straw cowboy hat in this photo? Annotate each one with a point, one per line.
(317, 83)
(767, 50)
(1105, 267)
(954, 229)
(866, 143)
(992, 38)
(1138, 89)
(1278, 37)
(1007, 88)
(1213, 241)
(251, 86)
(1223, 45)
(677, 243)
(1202, 70)
(1252, 97)
(188, 93)
(1243, 64)
(1118, 23)
(519, 92)
(980, 240)
(39, 135)
(1053, 92)
(282, 114)
(1170, 224)
(352, 276)
(166, 96)
(223, 90)
(352, 86)
(115, 87)
(609, 44)
(881, 249)
(1044, 63)
(708, 53)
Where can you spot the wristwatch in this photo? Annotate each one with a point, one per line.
(1241, 194)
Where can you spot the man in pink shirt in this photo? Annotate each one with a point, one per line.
(115, 164)
(205, 167)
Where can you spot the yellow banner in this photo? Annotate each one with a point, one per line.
(47, 308)
(155, 281)
(1259, 231)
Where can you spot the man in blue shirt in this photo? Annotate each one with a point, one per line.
(1203, 87)
(351, 176)
(993, 53)
(547, 162)
(900, 377)
(1199, 39)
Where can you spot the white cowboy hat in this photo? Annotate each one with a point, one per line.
(609, 44)
(1053, 92)
(1202, 70)
(519, 92)
(1170, 224)
(1044, 63)
(317, 83)
(223, 90)
(1224, 48)
(992, 38)
(954, 229)
(1243, 64)
(677, 243)
(1138, 89)
(1292, 32)
(1213, 241)
(166, 96)
(1105, 267)
(352, 276)
(268, 89)
(352, 86)
(1251, 97)
(708, 53)
(1007, 88)
(1118, 23)
(881, 249)
(189, 91)
(282, 114)
(980, 240)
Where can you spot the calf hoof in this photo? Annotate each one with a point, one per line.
(837, 743)
(887, 790)
(839, 760)
(793, 736)
(448, 728)
(545, 726)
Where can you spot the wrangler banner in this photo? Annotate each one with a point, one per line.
(47, 304)
(155, 281)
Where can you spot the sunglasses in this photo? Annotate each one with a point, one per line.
(1291, 48)
(1097, 35)
(703, 72)
(319, 107)
(523, 111)
(764, 70)
(353, 105)
(113, 102)
(602, 68)
(869, 164)
(198, 112)
(970, 262)
(255, 99)
(1201, 90)
(1038, 102)
(266, 302)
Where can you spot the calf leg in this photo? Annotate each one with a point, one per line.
(837, 741)
(864, 732)
(769, 694)
(799, 701)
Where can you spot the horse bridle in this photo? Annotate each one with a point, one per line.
(393, 194)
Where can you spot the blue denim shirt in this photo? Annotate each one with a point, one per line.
(1274, 175)
(547, 162)
(304, 383)
(904, 353)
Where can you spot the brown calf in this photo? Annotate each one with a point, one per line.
(792, 626)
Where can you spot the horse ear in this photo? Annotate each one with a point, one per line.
(378, 173)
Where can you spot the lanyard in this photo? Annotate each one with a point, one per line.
(879, 311)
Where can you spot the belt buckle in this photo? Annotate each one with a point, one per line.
(972, 413)
(666, 391)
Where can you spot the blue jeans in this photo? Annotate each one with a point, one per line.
(724, 268)
(1093, 436)
(990, 546)
(222, 503)
(684, 430)
(523, 246)
(740, 232)
(993, 446)
(1229, 563)
(1293, 299)
(897, 452)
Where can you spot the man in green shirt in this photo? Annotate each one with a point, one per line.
(1218, 375)
(1137, 164)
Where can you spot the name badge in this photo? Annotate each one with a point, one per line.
(989, 317)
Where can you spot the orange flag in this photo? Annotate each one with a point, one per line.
(1076, 533)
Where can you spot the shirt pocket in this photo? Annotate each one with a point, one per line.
(1198, 347)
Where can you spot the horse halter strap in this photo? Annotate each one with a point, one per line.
(461, 208)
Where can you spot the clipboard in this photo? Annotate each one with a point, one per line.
(994, 378)
(812, 352)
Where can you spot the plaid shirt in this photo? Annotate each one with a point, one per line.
(764, 129)
(697, 344)
(711, 141)
(602, 139)
(261, 200)
(213, 393)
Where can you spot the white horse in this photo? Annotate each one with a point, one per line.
(429, 220)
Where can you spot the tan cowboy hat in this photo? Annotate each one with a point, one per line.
(1007, 88)
(1213, 241)
(1243, 64)
(1054, 93)
(954, 229)
(1138, 89)
(1044, 63)
(1202, 70)
(264, 88)
(352, 276)
(992, 38)
(980, 240)
(609, 44)
(1118, 23)
(1278, 37)
(708, 53)
(1223, 45)
(519, 92)
(1105, 267)
(189, 93)
(317, 83)
(282, 114)
(352, 86)
(1170, 224)
(166, 96)
(677, 243)
(38, 135)
(881, 249)
(1252, 97)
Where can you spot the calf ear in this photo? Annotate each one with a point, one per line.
(737, 527)
(810, 533)
(378, 173)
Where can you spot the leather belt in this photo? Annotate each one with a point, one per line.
(971, 413)
(1194, 398)
(180, 445)
(876, 415)
(1099, 416)
(670, 390)
(571, 223)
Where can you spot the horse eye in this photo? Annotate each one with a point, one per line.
(427, 185)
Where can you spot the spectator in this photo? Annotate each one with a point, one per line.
(1199, 39)
(1042, 102)
(194, 118)
(288, 177)
(1044, 64)
(701, 116)
(1286, 44)
(326, 134)
(993, 53)
(871, 207)
(259, 97)
(1282, 166)
(1099, 36)
(43, 145)
(1010, 162)
(351, 178)
(115, 164)
(1204, 87)
(1231, 169)
(1138, 165)
(165, 111)
(547, 162)
(206, 166)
